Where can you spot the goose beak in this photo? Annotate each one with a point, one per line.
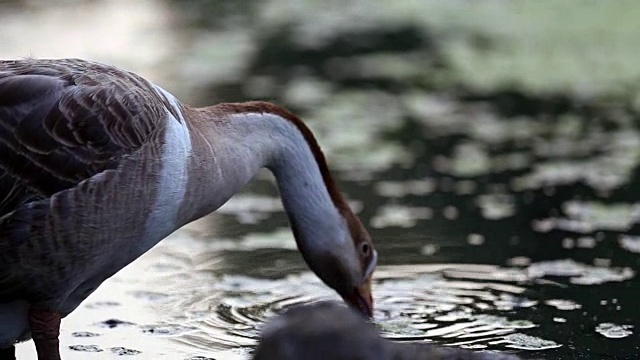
(361, 298)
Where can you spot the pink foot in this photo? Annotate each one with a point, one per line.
(45, 329)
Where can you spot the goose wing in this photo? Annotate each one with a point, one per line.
(63, 121)
(71, 133)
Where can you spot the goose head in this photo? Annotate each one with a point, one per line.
(348, 264)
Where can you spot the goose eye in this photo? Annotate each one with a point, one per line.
(364, 249)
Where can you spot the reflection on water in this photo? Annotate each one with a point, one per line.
(500, 183)
(183, 299)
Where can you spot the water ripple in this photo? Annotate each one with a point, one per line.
(193, 312)
(412, 303)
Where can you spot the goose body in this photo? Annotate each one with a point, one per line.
(97, 165)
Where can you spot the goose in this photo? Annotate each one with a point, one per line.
(97, 165)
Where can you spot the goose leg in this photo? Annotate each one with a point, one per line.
(45, 329)
(8, 353)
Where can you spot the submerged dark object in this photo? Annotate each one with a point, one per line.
(330, 331)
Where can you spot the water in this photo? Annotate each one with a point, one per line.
(506, 217)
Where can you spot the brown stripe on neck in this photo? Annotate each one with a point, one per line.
(262, 107)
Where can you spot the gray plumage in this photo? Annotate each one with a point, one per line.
(68, 129)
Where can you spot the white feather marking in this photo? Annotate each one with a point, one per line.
(172, 182)
(172, 100)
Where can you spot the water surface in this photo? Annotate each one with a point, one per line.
(503, 198)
